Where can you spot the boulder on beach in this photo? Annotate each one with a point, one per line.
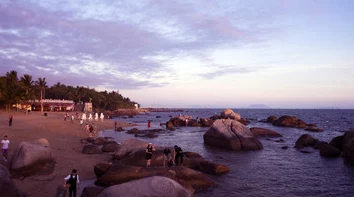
(92, 191)
(110, 147)
(305, 140)
(188, 178)
(99, 141)
(228, 113)
(289, 121)
(101, 168)
(7, 187)
(91, 149)
(232, 135)
(128, 146)
(150, 186)
(257, 131)
(32, 159)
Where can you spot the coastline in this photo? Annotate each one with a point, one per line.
(65, 141)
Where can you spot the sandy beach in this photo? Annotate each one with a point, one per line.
(65, 141)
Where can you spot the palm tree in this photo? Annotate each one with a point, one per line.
(42, 84)
(12, 94)
(27, 84)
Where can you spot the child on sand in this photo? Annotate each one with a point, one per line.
(5, 147)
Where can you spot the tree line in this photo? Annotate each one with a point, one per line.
(14, 89)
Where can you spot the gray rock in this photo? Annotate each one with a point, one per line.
(32, 159)
(152, 186)
(7, 187)
(232, 135)
(228, 113)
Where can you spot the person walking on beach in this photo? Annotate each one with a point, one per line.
(167, 157)
(72, 181)
(5, 147)
(149, 124)
(148, 154)
(10, 119)
(178, 155)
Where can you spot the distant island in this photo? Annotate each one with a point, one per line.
(258, 106)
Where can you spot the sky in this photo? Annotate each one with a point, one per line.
(188, 53)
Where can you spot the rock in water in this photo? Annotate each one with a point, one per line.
(329, 151)
(304, 141)
(228, 113)
(257, 131)
(289, 121)
(232, 135)
(32, 159)
(348, 147)
(152, 186)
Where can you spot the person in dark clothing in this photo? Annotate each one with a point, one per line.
(148, 154)
(167, 157)
(178, 155)
(72, 181)
(10, 120)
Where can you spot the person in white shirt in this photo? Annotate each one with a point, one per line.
(5, 147)
(72, 181)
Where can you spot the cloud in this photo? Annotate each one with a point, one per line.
(98, 43)
(220, 71)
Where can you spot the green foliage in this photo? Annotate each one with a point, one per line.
(14, 91)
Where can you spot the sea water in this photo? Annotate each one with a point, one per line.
(271, 171)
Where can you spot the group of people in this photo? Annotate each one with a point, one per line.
(168, 159)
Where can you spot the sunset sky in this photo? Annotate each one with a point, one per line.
(188, 53)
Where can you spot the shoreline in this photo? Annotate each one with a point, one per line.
(65, 141)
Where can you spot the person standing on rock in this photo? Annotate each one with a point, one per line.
(178, 155)
(5, 147)
(167, 157)
(148, 154)
(72, 181)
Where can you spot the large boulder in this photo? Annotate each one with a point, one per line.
(101, 168)
(32, 159)
(91, 149)
(289, 121)
(228, 113)
(232, 135)
(188, 178)
(329, 151)
(304, 141)
(348, 147)
(257, 131)
(151, 186)
(128, 146)
(92, 191)
(7, 187)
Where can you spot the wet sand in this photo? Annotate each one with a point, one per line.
(65, 141)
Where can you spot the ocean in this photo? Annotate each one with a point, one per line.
(271, 171)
